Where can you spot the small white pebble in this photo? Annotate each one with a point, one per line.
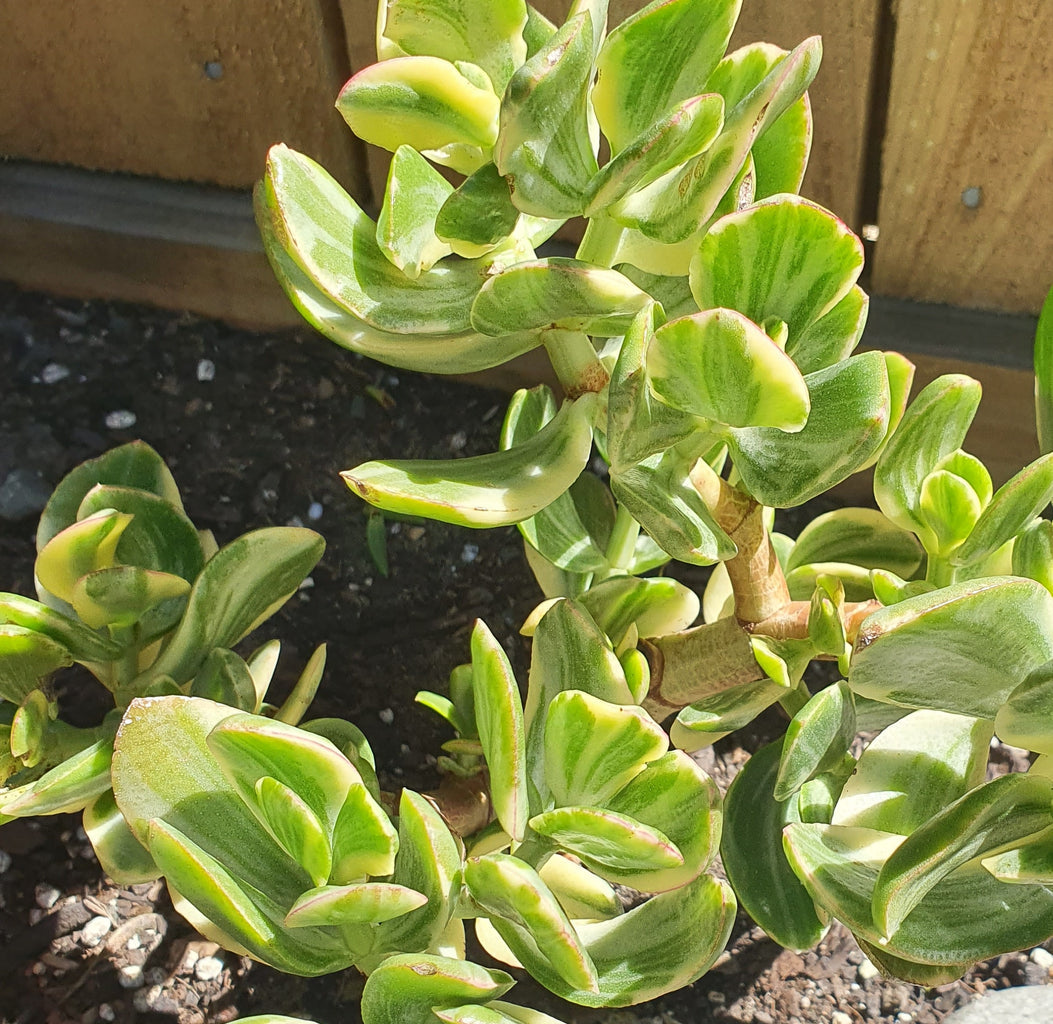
(840, 1017)
(146, 997)
(53, 373)
(190, 958)
(458, 441)
(314, 512)
(854, 987)
(35, 914)
(46, 896)
(307, 583)
(1041, 957)
(208, 968)
(904, 1018)
(130, 976)
(404, 750)
(866, 971)
(469, 553)
(387, 716)
(120, 419)
(95, 931)
(134, 942)
(5, 861)
(806, 1003)
(206, 370)
(107, 1012)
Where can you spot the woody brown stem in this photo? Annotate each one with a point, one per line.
(791, 621)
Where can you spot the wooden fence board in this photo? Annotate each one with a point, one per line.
(121, 85)
(971, 107)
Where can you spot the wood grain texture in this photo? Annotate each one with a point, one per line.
(971, 106)
(120, 85)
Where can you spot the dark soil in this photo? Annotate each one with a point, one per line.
(256, 428)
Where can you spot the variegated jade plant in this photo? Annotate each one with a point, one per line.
(703, 336)
(129, 589)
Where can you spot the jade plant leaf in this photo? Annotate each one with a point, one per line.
(414, 195)
(581, 893)
(702, 723)
(361, 903)
(1004, 812)
(962, 648)
(405, 988)
(27, 659)
(439, 108)
(933, 427)
(783, 258)
(752, 852)
(122, 595)
(69, 786)
(84, 547)
(816, 739)
(499, 719)
(488, 33)
(497, 1012)
(478, 214)
(364, 840)
(655, 59)
(120, 854)
(557, 292)
(655, 605)
(720, 365)
(859, 536)
(83, 644)
(848, 422)
(1044, 375)
(1032, 554)
(135, 465)
(464, 352)
(549, 165)
(1024, 719)
(496, 489)
(886, 792)
(241, 585)
(834, 336)
(515, 897)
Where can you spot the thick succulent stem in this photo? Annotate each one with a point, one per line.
(575, 362)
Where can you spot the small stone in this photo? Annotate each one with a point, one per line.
(840, 1017)
(315, 510)
(107, 1012)
(23, 493)
(206, 370)
(134, 942)
(5, 861)
(866, 971)
(121, 419)
(387, 716)
(130, 976)
(155, 976)
(414, 533)
(469, 553)
(208, 968)
(308, 582)
(95, 931)
(904, 1018)
(145, 998)
(46, 896)
(1041, 957)
(458, 441)
(53, 373)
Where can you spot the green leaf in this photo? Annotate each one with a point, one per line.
(1032, 553)
(478, 215)
(1024, 720)
(429, 862)
(120, 854)
(949, 508)
(242, 585)
(962, 648)
(781, 154)
(81, 643)
(912, 770)
(966, 917)
(672, 208)
(364, 840)
(27, 661)
(84, 547)
(550, 163)
(295, 828)
(484, 490)
(225, 677)
(834, 336)
(440, 109)
(364, 903)
(557, 292)
(657, 947)
(1001, 813)
(849, 417)
(487, 32)
(859, 536)
(783, 258)
(593, 748)
(1044, 375)
(352, 743)
(581, 893)
(655, 605)
(816, 740)
(655, 59)
(686, 130)
(334, 244)
(701, 724)
(69, 786)
(602, 838)
(464, 352)
(933, 427)
(405, 988)
(752, 852)
(123, 595)
(494, 1013)
(29, 727)
(513, 894)
(413, 197)
(499, 718)
(135, 465)
(1013, 506)
(720, 365)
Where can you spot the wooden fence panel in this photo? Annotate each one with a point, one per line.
(967, 166)
(122, 85)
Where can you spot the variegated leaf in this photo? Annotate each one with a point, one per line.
(364, 903)
(84, 547)
(27, 660)
(816, 739)
(859, 536)
(478, 215)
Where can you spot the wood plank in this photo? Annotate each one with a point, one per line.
(970, 108)
(124, 86)
(840, 94)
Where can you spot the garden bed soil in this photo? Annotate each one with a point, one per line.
(256, 428)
